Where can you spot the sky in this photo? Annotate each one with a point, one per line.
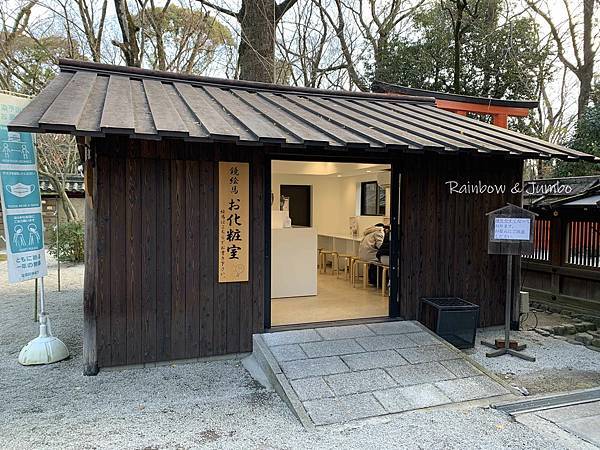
(556, 10)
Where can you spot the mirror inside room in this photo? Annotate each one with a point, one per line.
(329, 241)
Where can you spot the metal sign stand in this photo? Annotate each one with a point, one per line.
(24, 227)
(44, 349)
(35, 302)
(506, 348)
(58, 240)
(510, 233)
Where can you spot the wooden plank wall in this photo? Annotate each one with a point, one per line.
(556, 282)
(156, 295)
(443, 251)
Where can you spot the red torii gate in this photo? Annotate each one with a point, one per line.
(499, 109)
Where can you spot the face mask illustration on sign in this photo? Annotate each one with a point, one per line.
(20, 189)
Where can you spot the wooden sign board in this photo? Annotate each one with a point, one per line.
(510, 231)
(234, 222)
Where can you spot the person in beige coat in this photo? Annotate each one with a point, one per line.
(370, 243)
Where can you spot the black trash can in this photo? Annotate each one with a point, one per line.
(451, 318)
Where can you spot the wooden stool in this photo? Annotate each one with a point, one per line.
(384, 279)
(365, 265)
(353, 259)
(347, 263)
(324, 254)
(384, 276)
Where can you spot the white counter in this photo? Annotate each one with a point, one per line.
(348, 237)
(340, 243)
(293, 262)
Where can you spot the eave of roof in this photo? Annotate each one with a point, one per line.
(74, 184)
(382, 87)
(90, 99)
(550, 193)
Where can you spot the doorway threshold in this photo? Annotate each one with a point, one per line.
(331, 323)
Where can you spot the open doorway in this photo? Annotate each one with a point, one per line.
(320, 215)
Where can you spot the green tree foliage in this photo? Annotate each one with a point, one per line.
(27, 63)
(500, 60)
(67, 242)
(181, 39)
(586, 139)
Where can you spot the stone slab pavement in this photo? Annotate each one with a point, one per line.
(580, 421)
(343, 373)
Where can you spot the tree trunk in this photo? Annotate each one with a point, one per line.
(585, 90)
(70, 212)
(379, 53)
(456, 64)
(457, 35)
(256, 52)
(129, 47)
(586, 75)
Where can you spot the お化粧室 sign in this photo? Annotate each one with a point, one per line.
(234, 222)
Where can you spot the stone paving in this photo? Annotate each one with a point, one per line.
(343, 373)
(581, 420)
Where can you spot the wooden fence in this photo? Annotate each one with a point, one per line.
(564, 268)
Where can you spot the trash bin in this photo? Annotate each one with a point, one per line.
(451, 318)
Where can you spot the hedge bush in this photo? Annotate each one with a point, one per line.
(70, 242)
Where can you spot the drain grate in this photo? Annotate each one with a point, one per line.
(554, 401)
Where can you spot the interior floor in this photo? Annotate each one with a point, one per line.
(336, 300)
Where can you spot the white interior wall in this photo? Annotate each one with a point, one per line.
(334, 200)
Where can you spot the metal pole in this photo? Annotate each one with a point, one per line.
(58, 240)
(506, 350)
(42, 298)
(35, 302)
(508, 301)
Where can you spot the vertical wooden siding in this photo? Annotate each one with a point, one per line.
(157, 298)
(567, 277)
(443, 250)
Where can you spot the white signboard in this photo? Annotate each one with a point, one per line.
(20, 197)
(512, 229)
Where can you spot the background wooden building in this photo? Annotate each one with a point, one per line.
(152, 142)
(564, 269)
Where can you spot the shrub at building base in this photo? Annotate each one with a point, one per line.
(69, 246)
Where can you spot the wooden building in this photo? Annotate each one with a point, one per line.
(564, 269)
(152, 143)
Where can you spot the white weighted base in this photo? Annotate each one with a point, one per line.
(44, 349)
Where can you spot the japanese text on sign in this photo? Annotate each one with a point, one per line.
(234, 244)
(512, 229)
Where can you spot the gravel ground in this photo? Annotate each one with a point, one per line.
(212, 404)
(559, 366)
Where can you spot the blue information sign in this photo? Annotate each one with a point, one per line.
(21, 188)
(25, 232)
(16, 148)
(20, 196)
